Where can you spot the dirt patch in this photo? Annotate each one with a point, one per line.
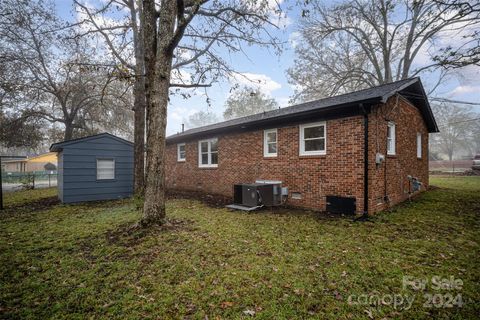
(212, 200)
(129, 235)
(36, 205)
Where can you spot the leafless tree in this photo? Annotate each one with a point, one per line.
(58, 82)
(361, 43)
(248, 101)
(200, 119)
(458, 129)
(198, 27)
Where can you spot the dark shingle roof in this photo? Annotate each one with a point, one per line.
(412, 88)
(59, 145)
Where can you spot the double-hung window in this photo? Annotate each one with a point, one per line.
(181, 152)
(270, 143)
(419, 145)
(313, 139)
(391, 138)
(105, 169)
(208, 153)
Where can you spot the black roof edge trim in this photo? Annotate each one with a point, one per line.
(319, 112)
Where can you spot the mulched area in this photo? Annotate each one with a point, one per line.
(212, 200)
(36, 205)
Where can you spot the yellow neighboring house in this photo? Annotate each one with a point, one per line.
(43, 162)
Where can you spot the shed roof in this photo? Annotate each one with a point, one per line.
(56, 147)
(341, 105)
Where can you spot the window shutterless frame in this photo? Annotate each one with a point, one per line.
(391, 139)
(106, 164)
(321, 137)
(270, 144)
(419, 145)
(181, 152)
(208, 156)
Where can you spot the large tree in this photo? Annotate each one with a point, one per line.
(458, 129)
(200, 119)
(171, 27)
(56, 81)
(362, 43)
(248, 101)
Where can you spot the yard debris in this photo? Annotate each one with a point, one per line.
(249, 312)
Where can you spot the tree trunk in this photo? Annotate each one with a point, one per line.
(139, 135)
(154, 204)
(139, 101)
(68, 130)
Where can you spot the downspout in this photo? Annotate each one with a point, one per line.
(366, 111)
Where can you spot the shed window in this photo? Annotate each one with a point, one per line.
(270, 143)
(313, 139)
(208, 153)
(419, 145)
(181, 152)
(391, 138)
(105, 169)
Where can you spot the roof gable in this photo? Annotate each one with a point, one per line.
(56, 147)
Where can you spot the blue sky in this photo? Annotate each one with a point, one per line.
(263, 64)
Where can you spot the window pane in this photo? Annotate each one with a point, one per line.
(271, 137)
(204, 146)
(272, 148)
(105, 169)
(314, 132)
(182, 154)
(214, 145)
(214, 158)
(181, 148)
(204, 158)
(315, 145)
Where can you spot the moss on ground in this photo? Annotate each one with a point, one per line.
(70, 261)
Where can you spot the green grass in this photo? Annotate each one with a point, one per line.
(68, 261)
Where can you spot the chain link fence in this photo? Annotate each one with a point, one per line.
(13, 181)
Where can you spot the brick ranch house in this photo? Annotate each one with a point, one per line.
(316, 149)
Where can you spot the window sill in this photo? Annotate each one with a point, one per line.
(312, 156)
(106, 180)
(207, 167)
(180, 160)
(393, 156)
(270, 157)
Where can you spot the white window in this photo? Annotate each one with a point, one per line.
(419, 145)
(313, 139)
(181, 152)
(105, 169)
(391, 138)
(270, 143)
(208, 153)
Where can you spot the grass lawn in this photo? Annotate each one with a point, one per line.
(70, 261)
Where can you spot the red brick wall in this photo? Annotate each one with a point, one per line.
(339, 172)
(408, 121)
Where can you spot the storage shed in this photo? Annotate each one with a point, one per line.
(98, 167)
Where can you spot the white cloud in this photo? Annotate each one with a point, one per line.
(464, 89)
(261, 81)
(294, 39)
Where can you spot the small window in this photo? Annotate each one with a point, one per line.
(419, 145)
(270, 143)
(181, 152)
(105, 169)
(313, 139)
(208, 153)
(391, 138)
